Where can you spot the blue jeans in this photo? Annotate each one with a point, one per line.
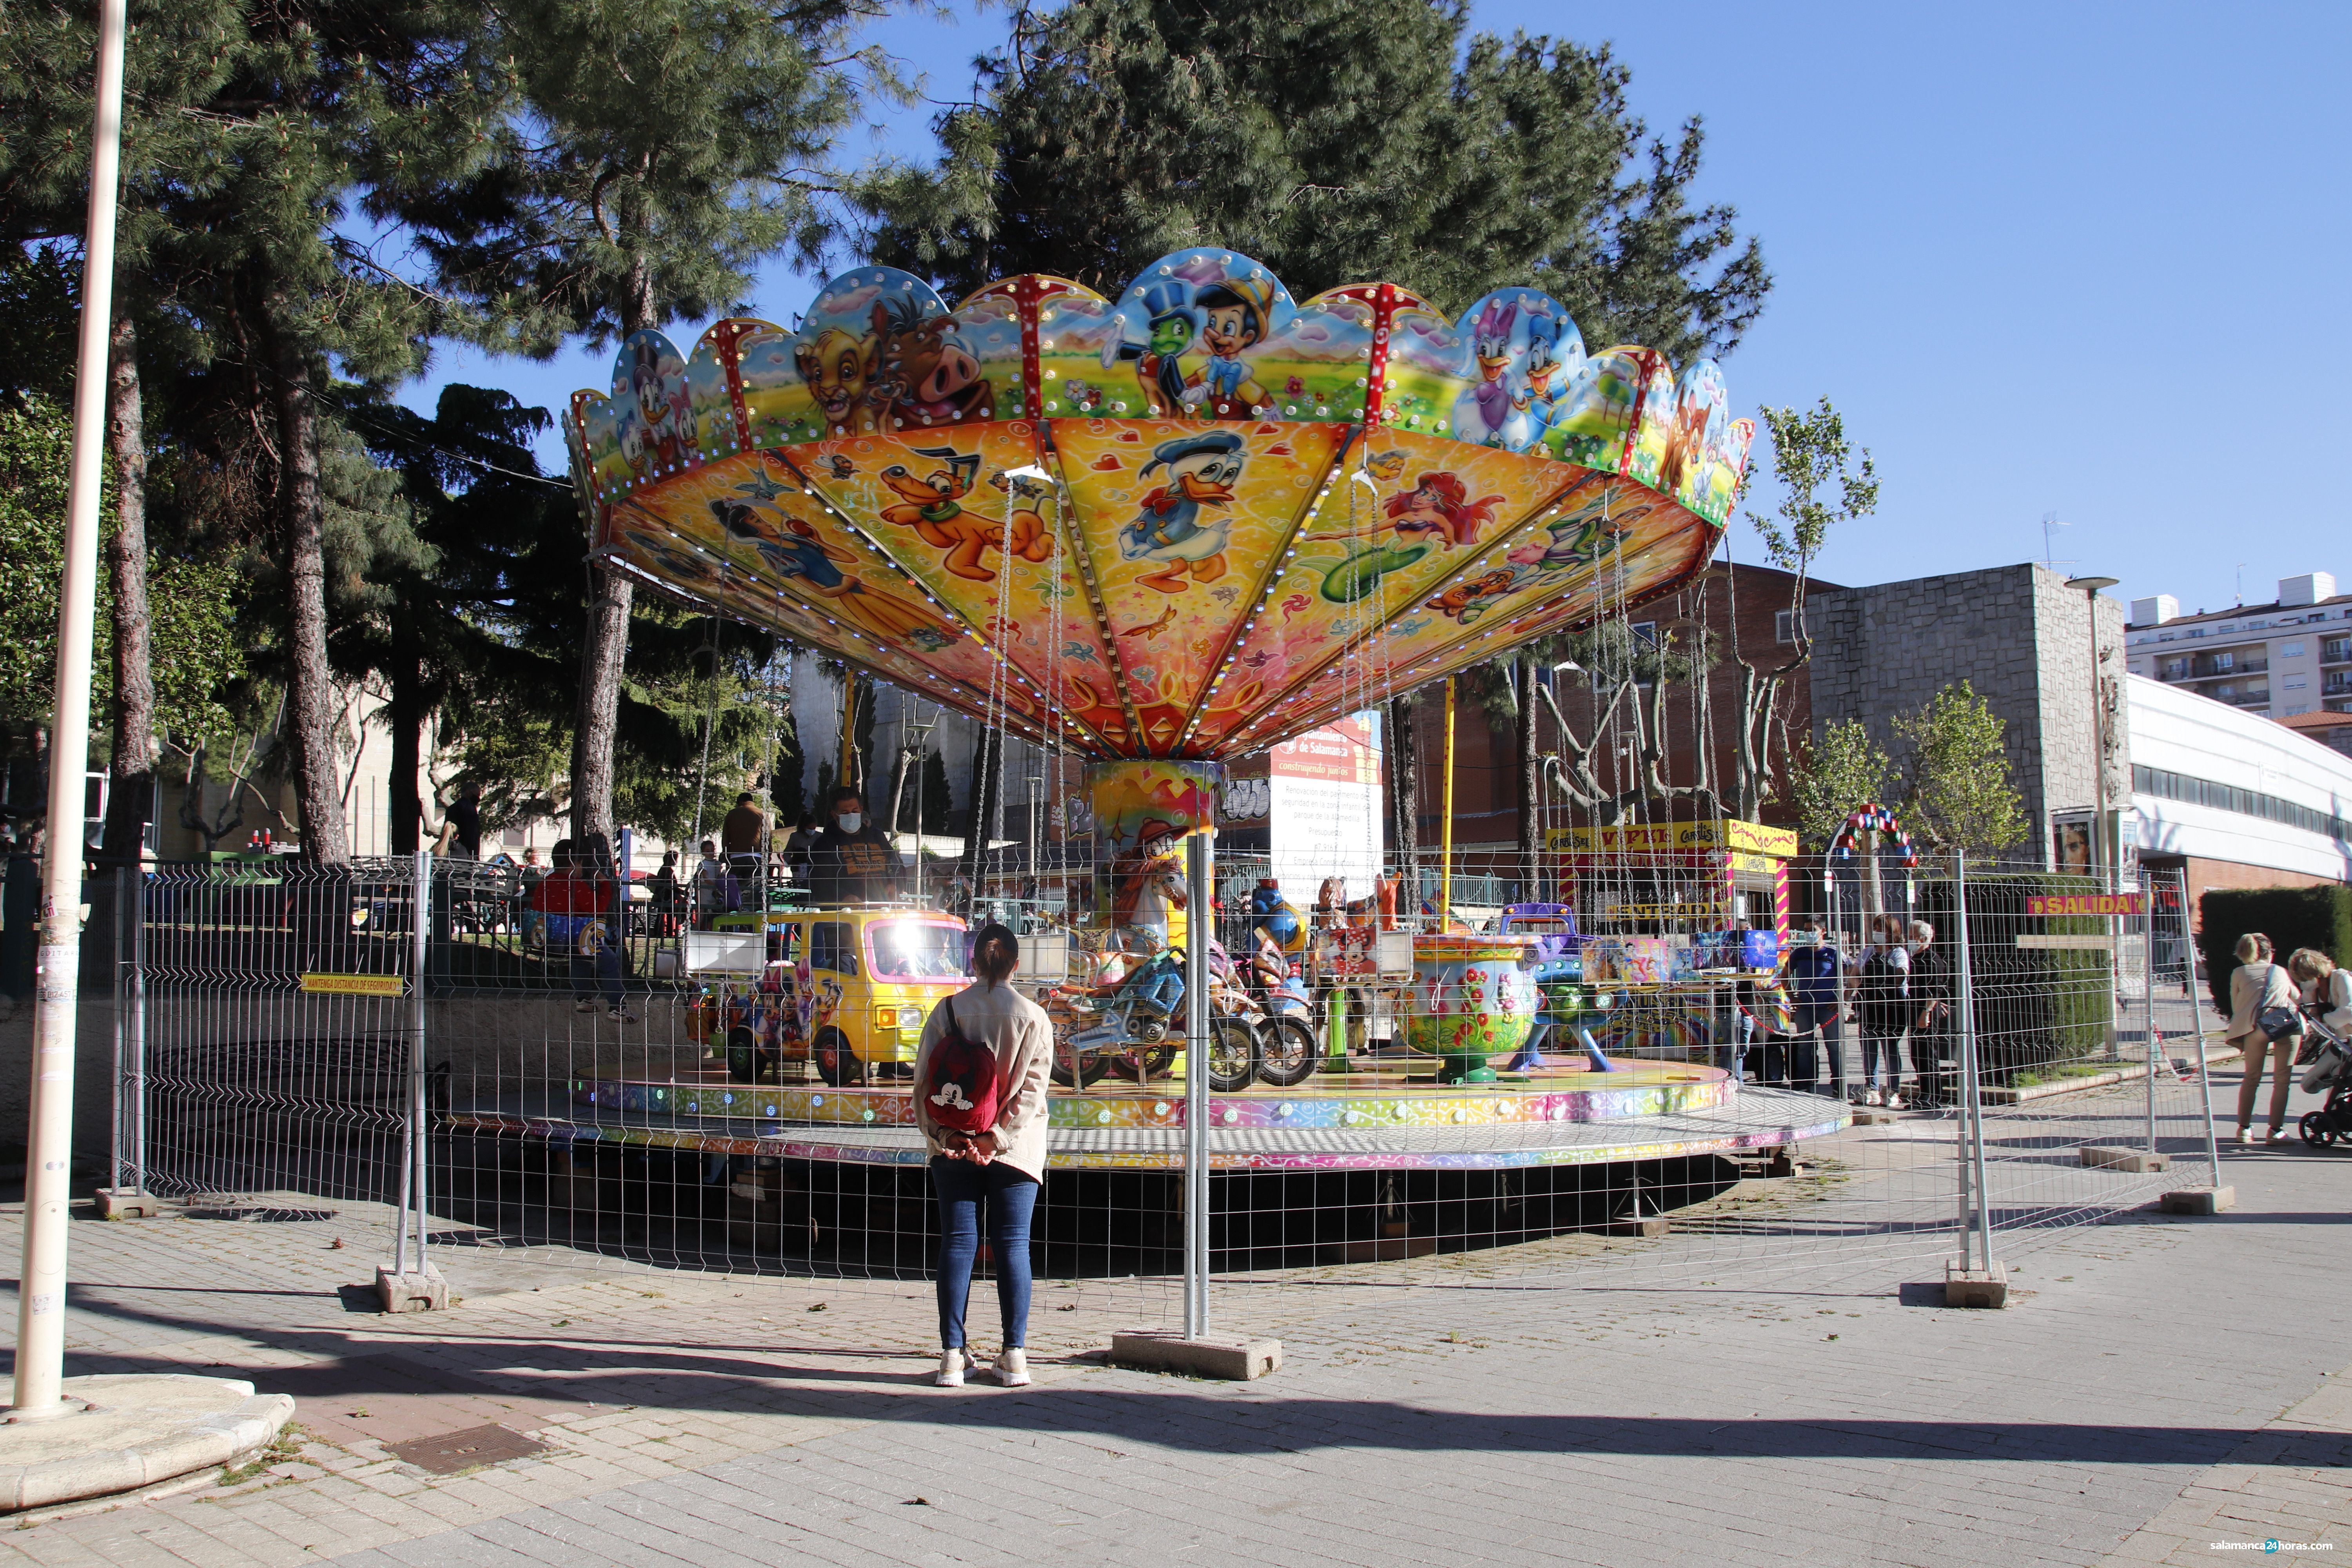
(1879, 1051)
(1012, 1198)
(605, 967)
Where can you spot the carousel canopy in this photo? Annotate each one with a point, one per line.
(1192, 522)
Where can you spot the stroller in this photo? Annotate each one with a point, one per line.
(2329, 1073)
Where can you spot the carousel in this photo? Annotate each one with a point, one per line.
(1151, 536)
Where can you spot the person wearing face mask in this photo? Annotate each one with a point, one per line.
(852, 861)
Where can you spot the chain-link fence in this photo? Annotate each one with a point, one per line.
(1786, 1062)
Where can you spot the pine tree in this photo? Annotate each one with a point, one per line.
(1337, 142)
(650, 157)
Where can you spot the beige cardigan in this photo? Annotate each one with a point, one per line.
(1017, 1030)
(2255, 988)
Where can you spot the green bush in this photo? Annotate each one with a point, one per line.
(2290, 917)
(2035, 1006)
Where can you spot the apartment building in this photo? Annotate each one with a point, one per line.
(2281, 659)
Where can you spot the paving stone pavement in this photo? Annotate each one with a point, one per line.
(2160, 1384)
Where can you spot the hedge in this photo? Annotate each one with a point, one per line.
(2034, 1006)
(2290, 917)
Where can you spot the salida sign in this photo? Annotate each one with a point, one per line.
(2082, 904)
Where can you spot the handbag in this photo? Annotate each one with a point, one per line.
(2277, 1023)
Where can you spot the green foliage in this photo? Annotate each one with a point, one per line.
(198, 655)
(2318, 917)
(1846, 772)
(1961, 790)
(1809, 452)
(641, 162)
(1337, 142)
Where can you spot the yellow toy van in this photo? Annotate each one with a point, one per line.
(845, 989)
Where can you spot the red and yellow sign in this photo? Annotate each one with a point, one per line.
(2083, 904)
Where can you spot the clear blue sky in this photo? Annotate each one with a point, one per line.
(2080, 259)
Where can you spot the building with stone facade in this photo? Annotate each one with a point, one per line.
(2047, 658)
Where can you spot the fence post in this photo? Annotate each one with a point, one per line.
(1200, 926)
(405, 1289)
(125, 1194)
(2148, 989)
(1972, 1074)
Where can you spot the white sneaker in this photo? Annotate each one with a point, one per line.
(952, 1367)
(2245, 1134)
(1872, 1096)
(1012, 1367)
(584, 1005)
(1894, 1101)
(623, 1015)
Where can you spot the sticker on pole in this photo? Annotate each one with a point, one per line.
(354, 985)
(2084, 904)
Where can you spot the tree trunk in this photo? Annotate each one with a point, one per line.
(310, 698)
(604, 647)
(1404, 795)
(406, 715)
(131, 798)
(1530, 785)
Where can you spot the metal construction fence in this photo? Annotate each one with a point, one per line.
(715, 1076)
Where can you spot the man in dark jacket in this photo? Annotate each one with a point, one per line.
(852, 860)
(1818, 997)
(1931, 1021)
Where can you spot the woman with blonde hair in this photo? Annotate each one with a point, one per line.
(2258, 989)
(2327, 989)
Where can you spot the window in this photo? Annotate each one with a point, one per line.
(2294, 683)
(2291, 650)
(2223, 797)
(833, 946)
(1784, 626)
(1646, 632)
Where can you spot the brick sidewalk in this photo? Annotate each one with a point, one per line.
(2128, 1406)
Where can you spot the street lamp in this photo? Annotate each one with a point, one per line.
(2100, 846)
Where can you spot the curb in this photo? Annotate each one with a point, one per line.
(204, 1440)
(2108, 1080)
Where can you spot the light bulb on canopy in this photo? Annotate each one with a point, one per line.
(1189, 523)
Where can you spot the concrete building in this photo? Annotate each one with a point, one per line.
(2044, 656)
(2291, 656)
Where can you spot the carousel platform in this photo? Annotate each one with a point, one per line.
(1390, 1115)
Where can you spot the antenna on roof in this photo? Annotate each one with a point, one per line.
(2241, 583)
(2051, 519)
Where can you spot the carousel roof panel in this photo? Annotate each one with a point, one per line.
(1194, 521)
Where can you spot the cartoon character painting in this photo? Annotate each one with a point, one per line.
(653, 437)
(1182, 524)
(932, 505)
(922, 375)
(796, 552)
(1551, 340)
(834, 366)
(1435, 514)
(1170, 330)
(1686, 445)
(1234, 317)
(1493, 412)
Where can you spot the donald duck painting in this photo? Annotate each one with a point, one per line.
(1178, 523)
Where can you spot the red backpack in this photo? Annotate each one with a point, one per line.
(961, 1083)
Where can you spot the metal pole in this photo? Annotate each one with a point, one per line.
(2148, 985)
(2197, 1013)
(121, 1022)
(1974, 1096)
(1445, 861)
(41, 1290)
(135, 1134)
(419, 1143)
(1199, 928)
